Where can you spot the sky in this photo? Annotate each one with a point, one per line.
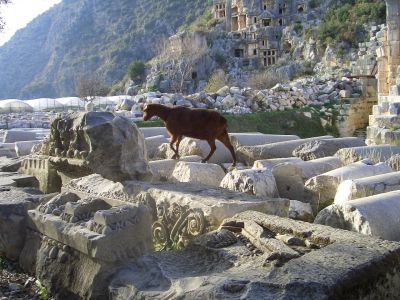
(19, 13)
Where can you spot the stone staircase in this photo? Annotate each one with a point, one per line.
(384, 123)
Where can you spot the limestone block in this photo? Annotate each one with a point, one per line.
(163, 169)
(258, 182)
(14, 205)
(175, 206)
(328, 147)
(323, 187)
(201, 148)
(249, 154)
(291, 177)
(89, 238)
(251, 139)
(379, 153)
(152, 144)
(272, 162)
(376, 215)
(341, 264)
(7, 152)
(154, 131)
(97, 142)
(47, 176)
(25, 148)
(10, 164)
(198, 173)
(363, 187)
(300, 211)
(12, 136)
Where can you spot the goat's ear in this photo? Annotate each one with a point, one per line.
(145, 107)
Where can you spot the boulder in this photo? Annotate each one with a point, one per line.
(300, 211)
(10, 164)
(198, 173)
(249, 154)
(376, 215)
(258, 182)
(251, 139)
(14, 206)
(162, 169)
(322, 188)
(336, 264)
(153, 143)
(379, 153)
(25, 148)
(328, 147)
(272, 162)
(363, 187)
(290, 177)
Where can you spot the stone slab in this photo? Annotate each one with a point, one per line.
(379, 153)
(226, 265)
(376, 215)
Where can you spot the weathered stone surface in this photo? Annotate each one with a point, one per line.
(10, 164)
(84, 143)
(18, 180)
(152, 144)
(258, 182)
(300, 211)
(251, 139)
(376, 215)
(201, 148)
(162, 169)
(12, 136)
(206, 204)
(74, 244)
(44, 172)
(250, 154)
(344, 265)
(291, 177)
(272, 162)
(14, 205)
(324, 148)
(394, 162)
(379, 153)
(198, 173)
(154, 131)
(322, 188)
(25, 148)
(363, 187)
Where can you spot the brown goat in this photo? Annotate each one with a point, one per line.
(198, 123)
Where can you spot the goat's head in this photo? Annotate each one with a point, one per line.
(147, 113)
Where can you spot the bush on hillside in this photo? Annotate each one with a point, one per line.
(345, 19)
(136, 69)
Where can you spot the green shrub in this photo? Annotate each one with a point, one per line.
(298, 27)
(313, 4)
(136, 69)
(344, 21)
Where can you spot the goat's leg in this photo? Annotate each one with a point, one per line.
(213, 148)
(174, 138)
(224, 138)
(179, 139)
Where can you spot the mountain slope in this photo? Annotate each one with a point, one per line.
(78, 37)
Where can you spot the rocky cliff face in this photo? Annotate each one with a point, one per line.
(79, 37)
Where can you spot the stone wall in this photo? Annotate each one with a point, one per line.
(384, 123)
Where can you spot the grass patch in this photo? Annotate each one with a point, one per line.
(277, 122)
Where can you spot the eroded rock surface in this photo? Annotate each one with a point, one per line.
(255, 256)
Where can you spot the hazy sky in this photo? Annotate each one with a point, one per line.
(21, 12)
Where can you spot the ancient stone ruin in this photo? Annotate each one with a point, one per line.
(121, 225)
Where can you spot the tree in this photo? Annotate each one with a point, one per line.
(179, 55)
(136, 69)
(1, 19)
(88, 88)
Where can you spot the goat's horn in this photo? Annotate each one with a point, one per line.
(145, 106)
